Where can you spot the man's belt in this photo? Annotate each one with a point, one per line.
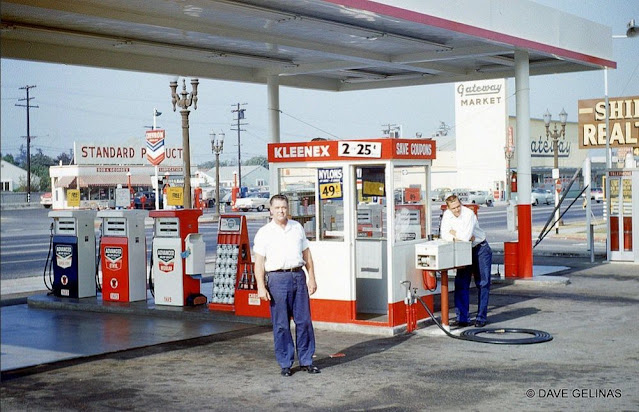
(479, 244)
(297, 269)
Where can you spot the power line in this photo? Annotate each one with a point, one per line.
(28, 136)
(308, 124)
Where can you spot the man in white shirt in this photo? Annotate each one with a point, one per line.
(281, 250)
(460, 223)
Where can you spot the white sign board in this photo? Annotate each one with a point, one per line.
(122, 197)
(123, 155)
(481, 123)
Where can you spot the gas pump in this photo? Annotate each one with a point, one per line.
(74, 257)
(177, 257)
(123, 255)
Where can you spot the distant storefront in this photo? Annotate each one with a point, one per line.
(99, 169)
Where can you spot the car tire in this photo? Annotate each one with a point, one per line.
(260, 208)
(536, 202)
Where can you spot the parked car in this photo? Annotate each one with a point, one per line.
(596, 194)
(478, 197)
(46, 200)
(541, 195)
(256, 200)
(149, 200)
(208, 196)
(440, 194)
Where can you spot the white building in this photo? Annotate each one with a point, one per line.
(13, 177)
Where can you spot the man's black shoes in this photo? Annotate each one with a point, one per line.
(480, 323)
(460, 324)
(310, 369)
(286, 372)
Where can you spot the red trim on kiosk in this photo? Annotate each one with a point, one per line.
(332, 150)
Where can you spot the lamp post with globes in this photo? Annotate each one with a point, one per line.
(555, 135)
(217, 146)
(184, 101)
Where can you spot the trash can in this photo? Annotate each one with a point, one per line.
(511, 259)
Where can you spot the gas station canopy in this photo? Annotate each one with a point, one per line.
(318, 44)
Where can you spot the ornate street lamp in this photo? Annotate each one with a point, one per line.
(184, 101)
(555, 135)
(217, 146)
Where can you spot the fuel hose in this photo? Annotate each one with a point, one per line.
(474, 335)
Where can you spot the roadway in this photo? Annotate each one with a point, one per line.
(25, 233)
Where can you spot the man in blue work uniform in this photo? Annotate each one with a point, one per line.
(281, 251)
(460, 223)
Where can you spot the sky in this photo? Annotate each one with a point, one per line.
(93, 105)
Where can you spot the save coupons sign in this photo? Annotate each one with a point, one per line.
(330, 183)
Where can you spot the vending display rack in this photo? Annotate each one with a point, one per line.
(233, 255)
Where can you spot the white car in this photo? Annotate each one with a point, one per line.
(540, 195)
(46, 200)
(479, 197)
(257, 200)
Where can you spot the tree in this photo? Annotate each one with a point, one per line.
(9, 158)
(65, 158)
(257, 161)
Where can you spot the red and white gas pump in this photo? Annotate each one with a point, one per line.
(177, 257)
(123, 255)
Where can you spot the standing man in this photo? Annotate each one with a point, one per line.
(281, 251)
(460, 223)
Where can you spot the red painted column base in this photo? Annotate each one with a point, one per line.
(524, 221)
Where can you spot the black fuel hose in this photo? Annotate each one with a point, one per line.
(49, 262)
(151, 286)
(98, 285)
(538, 336)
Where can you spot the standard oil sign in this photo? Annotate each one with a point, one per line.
(624, 122)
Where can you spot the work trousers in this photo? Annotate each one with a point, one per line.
(289, 298)
(480, 268)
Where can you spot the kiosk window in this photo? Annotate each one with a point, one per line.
(410, 203)
(371, 202)
(298, 184)
(330, 182)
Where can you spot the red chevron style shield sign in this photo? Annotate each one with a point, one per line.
(155, 146)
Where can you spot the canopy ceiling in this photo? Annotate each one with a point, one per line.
(319, 44)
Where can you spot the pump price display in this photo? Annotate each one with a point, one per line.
(360, 149)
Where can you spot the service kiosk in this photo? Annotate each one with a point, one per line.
(74, 253)
(364, 205)
(123, 255)
(178, 254)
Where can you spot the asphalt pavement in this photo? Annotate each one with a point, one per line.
(69, 357)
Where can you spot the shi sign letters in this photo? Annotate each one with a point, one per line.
(623, 117)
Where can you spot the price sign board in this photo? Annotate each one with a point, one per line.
(175, 196)
(73, 197)
(360, 149)
(330, 183)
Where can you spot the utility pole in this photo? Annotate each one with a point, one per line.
(238, 127)
(28, 106)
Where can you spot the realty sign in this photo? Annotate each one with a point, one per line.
(155, 146)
